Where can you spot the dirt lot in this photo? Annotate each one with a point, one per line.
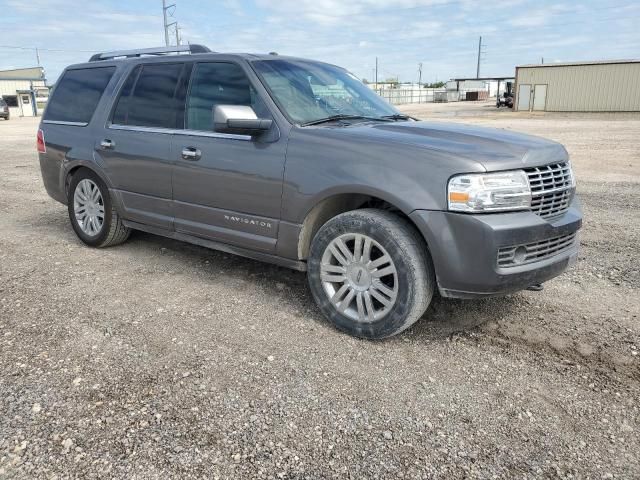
(157, 359)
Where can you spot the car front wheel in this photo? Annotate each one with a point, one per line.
(370, 273)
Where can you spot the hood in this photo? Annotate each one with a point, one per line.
(494, 149)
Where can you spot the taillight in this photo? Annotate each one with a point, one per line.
(42, 148)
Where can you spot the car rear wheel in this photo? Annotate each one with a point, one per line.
(370, 273)
(91, 212)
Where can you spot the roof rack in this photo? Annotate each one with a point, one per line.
(192, 48)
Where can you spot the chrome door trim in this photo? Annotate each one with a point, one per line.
(175, 131)
(199, 133)
(61, 122)
(115, 126)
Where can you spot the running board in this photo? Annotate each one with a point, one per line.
(222, 247)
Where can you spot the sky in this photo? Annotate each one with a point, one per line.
(440, 34)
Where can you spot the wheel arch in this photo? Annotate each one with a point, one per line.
(72, 168)
(336, 203)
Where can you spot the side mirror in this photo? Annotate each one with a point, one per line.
(239, 119)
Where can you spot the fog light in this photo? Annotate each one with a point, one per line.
(520, 255)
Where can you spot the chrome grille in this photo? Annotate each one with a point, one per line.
(552, 189)
(517, 255)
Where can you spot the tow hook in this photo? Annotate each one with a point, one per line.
(538, 287)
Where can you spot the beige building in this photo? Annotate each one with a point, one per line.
(606, 86)
(24, 90)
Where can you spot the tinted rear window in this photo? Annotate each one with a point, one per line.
(121, 113)
(153, 101)
(77, 94)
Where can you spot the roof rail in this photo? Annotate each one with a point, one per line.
(192, 48)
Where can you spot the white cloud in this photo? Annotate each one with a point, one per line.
(442, 34)
(532, 18)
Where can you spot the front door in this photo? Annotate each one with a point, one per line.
(226, 188)
(524, 97)
(135, 145)
(26, 105)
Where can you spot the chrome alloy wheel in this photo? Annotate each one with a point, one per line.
(359, 277)
(88, 207)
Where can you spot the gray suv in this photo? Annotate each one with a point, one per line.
(297, 163)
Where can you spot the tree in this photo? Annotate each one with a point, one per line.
(434, 85)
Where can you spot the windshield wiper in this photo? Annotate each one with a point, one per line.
(342, 116)
(398, 116)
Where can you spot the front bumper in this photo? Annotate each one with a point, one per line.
(464, 249)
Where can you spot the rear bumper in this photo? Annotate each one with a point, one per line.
(464, 249)
(52, 172)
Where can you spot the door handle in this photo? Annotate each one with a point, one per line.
(107, 144)
(191, 153)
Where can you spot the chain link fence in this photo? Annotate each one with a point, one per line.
(400, 96)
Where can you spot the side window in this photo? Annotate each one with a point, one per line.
(218, 84)
(77, 94)
(122, 109)
(153, 102)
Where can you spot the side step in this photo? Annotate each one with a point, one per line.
(223, 247)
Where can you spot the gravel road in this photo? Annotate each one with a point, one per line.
(157, 359)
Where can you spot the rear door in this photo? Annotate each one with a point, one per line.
(231, 192)
(135, 144)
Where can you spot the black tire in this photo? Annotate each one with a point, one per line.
(407, 249)
(113, 231)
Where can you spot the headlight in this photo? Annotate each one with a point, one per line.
(489, 192)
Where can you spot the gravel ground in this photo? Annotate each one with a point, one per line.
(157, 359)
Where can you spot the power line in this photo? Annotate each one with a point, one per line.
(448, 55)
(259, 22)
(17, 47)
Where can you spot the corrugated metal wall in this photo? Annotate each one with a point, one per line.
(587, 88)
(10, 87)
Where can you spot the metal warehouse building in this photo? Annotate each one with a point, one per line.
(607, 86)
(25, 91)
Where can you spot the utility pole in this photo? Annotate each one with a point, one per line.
(420, 75)
(38, 56)
(479, 52)
(376, 73)
(542, 60)
(178, 39)
(165, 9)
(164, 16)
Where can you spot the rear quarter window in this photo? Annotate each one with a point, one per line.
(77, 93)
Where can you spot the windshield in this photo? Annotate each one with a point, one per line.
(310, 91)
